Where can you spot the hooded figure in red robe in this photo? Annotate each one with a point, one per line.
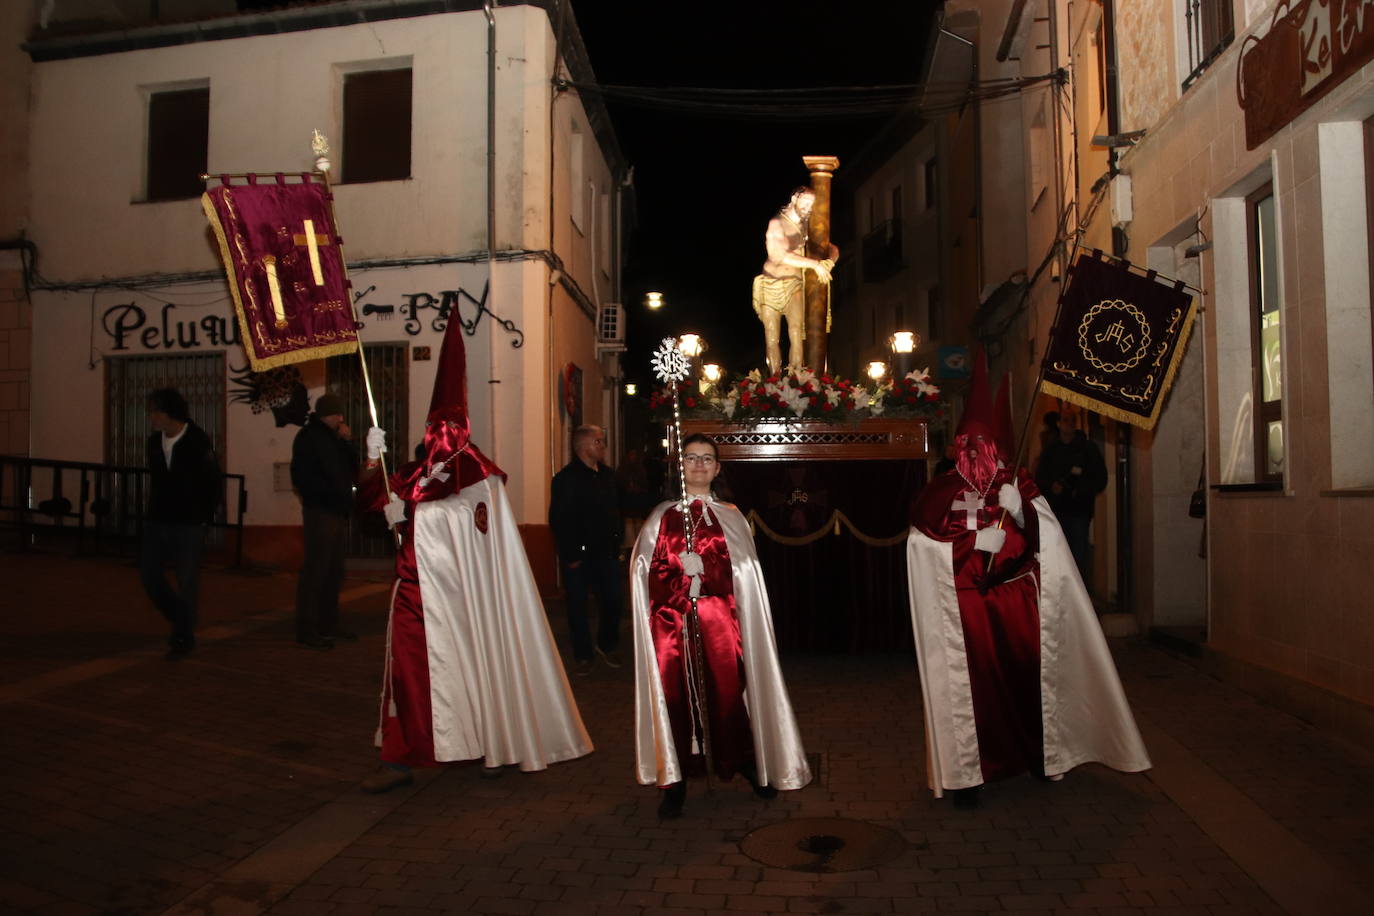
(1016, 676)
(471, 669)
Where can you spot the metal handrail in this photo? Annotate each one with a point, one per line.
(109, 501)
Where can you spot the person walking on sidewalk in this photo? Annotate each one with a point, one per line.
(472, 671)
(584, 514)
(1070, 474)
(323, 470)
(184, 492)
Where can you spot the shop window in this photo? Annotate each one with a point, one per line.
(178, 143)
(376, 125)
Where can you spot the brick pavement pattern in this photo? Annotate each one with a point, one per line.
(226, 783)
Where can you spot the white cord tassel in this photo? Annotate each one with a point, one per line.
(694, 704)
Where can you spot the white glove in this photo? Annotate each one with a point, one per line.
(990, 539)
(376, 443)
(1009, 498)
(693, 568)
(394, 510)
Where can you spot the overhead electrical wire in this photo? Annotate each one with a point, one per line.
(809, 103)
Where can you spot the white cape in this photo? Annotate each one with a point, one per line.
(778, 751)
(1083, 709)
(497, 685)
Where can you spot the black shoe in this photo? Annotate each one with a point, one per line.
(762, 791)
(341, 636)
(965, 799)
(492, 772)
(670, 807)
(318, 643)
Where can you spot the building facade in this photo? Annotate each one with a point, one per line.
(1225, 143)
(514, 231)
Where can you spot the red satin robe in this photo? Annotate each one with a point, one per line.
(407, 737)
(999, 611)
(732, 742)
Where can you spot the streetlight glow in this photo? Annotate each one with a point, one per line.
(653, 300)
(905, 341)
(876, 370)
(691, 345)
(711, 371)
(631, 389)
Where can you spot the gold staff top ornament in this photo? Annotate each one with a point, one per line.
(319, 145)
(669, 364)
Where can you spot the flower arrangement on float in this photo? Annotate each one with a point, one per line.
(801, 394)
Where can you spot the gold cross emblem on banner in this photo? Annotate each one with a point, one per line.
(311, 241)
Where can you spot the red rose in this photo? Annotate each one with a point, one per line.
(691, 401)
(910, 399)
(827, 406)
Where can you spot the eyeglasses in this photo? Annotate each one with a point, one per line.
(703, 460)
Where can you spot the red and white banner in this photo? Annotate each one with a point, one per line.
(286, 269)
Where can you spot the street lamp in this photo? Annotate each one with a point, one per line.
(876, 370)
(710, 375)
(691, 345)
(631, 389)
(653, 301)
(904, 345)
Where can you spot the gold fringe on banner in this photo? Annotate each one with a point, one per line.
(830, 528)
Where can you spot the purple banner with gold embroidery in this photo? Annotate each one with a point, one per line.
(1118, 340)
(286, 269)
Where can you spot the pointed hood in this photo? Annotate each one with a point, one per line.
(978, 418)
(451, 461)
(451, 379)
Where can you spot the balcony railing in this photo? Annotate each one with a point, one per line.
(1210, 30)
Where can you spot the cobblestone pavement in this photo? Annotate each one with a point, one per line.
(225, 783)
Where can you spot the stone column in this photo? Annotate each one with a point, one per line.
(817, 345)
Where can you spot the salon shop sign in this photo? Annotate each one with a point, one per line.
(1306, 53)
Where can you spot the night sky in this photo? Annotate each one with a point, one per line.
(707, 184)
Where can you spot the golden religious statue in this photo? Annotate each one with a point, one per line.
(798, 243)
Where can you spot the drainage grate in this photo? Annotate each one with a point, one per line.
(822, 844)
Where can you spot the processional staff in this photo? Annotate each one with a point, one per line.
(671, 367)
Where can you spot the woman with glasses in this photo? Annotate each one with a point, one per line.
(757, 739)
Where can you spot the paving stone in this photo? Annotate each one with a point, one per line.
(292, 732)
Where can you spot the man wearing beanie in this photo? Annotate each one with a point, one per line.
(323, 469)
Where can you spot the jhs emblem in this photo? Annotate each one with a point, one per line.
(479, 517)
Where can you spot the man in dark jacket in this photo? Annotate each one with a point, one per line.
(1071, 473)
(184, 490)
(585, 518)
(324, 468)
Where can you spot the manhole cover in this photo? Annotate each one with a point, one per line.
(822, 844)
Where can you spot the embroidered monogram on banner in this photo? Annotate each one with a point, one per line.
(286, 269)
(1118, 340)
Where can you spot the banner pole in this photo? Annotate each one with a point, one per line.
(322, 165)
